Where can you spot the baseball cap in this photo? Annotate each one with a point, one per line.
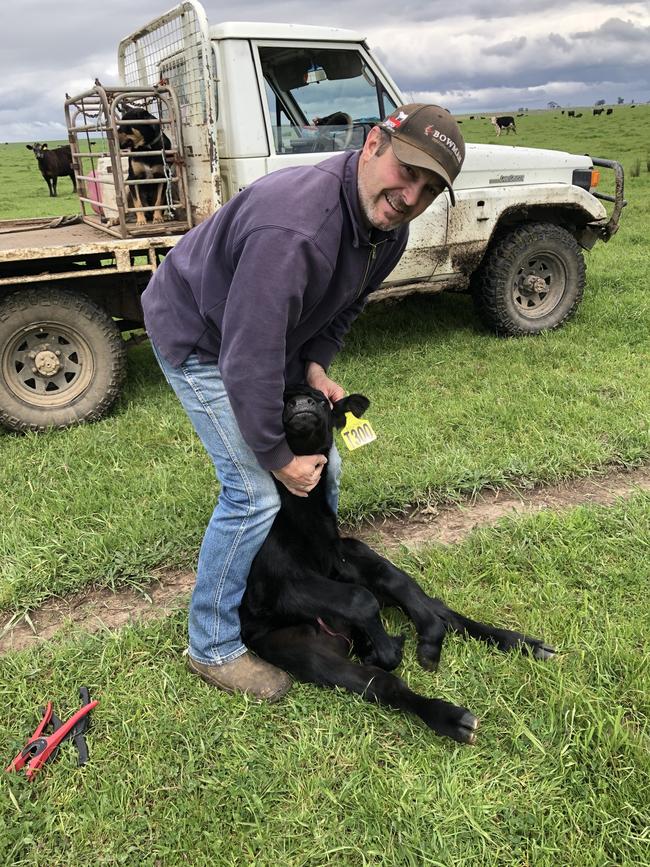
(427, 136)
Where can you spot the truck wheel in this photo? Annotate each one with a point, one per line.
(62, 360)
(532, 280)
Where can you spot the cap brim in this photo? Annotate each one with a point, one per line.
(413, 156)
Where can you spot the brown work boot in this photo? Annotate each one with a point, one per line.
(248, 673)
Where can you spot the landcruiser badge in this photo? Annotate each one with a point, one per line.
(508, 179)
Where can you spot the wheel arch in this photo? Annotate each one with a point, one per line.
(119, 296)
(571, 217)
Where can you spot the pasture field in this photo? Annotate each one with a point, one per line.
(117, 498)
(623, 136)
(181, 774)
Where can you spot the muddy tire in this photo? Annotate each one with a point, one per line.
(531, 280)
(62, 360)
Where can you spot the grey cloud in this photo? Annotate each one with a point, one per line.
(558, 41)
(610, 53)
(50, 48)
(617, 29)
(595, 74)
(506, 49)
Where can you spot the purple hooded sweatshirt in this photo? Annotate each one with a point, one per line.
(272, 280)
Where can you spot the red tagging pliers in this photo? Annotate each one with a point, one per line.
(39, 748)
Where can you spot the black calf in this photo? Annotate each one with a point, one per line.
(313, 598)
(54, 164)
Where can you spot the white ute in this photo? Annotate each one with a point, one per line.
(236, 101)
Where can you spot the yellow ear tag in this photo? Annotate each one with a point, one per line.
(357, 432)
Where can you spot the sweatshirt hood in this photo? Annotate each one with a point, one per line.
(346, 170)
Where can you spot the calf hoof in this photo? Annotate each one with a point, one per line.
(467, 727)
(429, 655)
(452, 721)
(543, 651)
(390, 656)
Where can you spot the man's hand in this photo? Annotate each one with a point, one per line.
(317, 378)
(301, 474)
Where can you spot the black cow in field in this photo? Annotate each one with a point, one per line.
(313, 598)
(55, 163)
(597, 111)
(609, 111)
(506, 122)
(571, 114)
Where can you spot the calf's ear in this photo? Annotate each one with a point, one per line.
(357, 404)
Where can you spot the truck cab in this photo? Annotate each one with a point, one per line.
(227, 104)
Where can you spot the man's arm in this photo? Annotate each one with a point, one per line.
(273, 267)
(317, 377)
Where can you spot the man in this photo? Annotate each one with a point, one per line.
(261, 295)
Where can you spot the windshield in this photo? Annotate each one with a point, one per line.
(321, 99)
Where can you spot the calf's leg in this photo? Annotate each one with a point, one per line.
(314, 657)
(432, 618)
(315, 597)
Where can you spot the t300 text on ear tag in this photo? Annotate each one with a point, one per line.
(357, 432)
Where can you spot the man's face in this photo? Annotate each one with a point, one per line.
(392, 193)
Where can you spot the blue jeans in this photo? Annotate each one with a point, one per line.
(247, 504)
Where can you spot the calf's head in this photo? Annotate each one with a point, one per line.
(39, 149)
(309, 420)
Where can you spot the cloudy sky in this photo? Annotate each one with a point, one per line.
(477, 55)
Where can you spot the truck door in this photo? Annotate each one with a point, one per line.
(318, 100)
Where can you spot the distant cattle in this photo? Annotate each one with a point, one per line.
(579, 114)
(609, 111)
(598, 111)
(506, 122)
(55, 163)
(571, 113)
(633, 106)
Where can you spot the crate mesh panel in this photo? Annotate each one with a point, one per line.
(171, 52)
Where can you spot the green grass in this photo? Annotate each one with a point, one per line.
(182, 774)
(455, 409)
(623, 136)
(24, 193)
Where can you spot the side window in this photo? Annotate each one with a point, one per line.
(320, 99)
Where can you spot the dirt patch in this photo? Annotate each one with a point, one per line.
(169, 592)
